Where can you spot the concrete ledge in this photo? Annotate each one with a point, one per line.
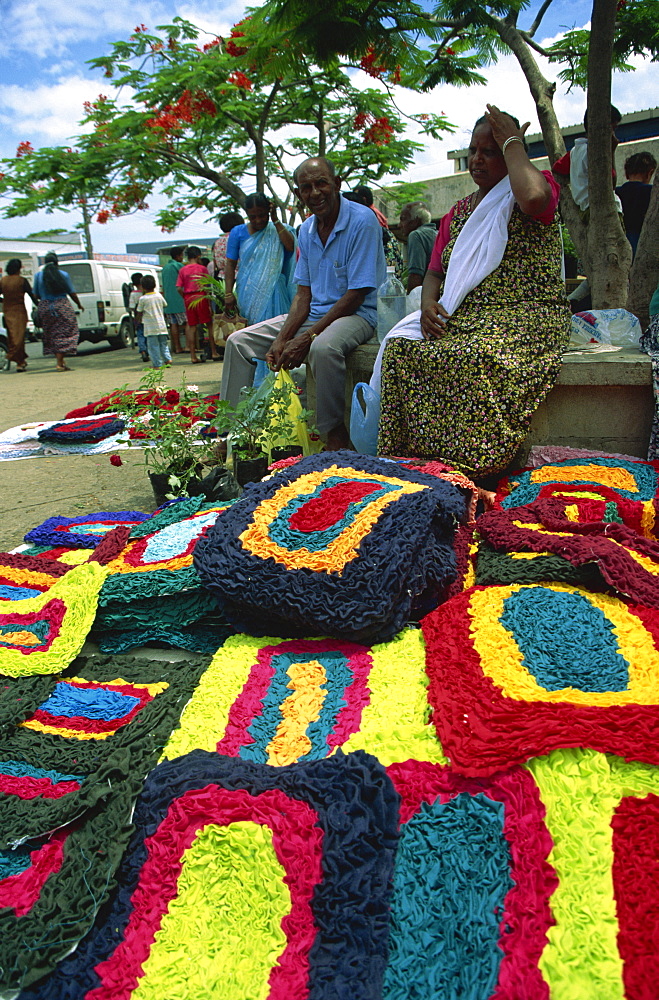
(600, 401)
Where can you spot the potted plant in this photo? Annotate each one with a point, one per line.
(245, 426)
(166, 423)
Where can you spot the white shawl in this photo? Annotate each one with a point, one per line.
(478, 251)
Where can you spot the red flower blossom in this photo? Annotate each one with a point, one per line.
(211, 45)
(449, 51)
(139, 29)
(369, 65)
(103, 217)
(185, 411)
(172, 396)
(235, 50)
(380, 132)
(362, 118)
(239, 79)
(116, 460)
(24, 149)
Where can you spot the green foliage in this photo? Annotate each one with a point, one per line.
(401, 194)
(260, 420)
(169, 418)
(209, 118)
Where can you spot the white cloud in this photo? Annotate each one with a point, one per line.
(46, 114)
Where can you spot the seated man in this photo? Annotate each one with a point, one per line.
(340, 267)
(415, 226)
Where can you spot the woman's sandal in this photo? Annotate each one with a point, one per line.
(64, 368)
(21, 368)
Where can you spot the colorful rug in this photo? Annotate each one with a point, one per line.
(628, 562)
(43, 634)
(472, 886)
(604, 939)
(604, 489)
(227, 853)
(52, 889)
(157, 561)
(203, 636)
(83, 531)
(493, 567)
(87, 430)
(338, 544)
(280, 702)
(102, 725)
(518, 671)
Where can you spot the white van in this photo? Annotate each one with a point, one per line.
(100, 288)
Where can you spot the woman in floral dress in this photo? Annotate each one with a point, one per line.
(466, 388)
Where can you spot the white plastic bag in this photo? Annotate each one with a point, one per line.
(616, 327)
(365, 419)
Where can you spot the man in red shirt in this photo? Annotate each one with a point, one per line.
(197, 307)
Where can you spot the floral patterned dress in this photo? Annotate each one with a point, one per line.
(468, 398)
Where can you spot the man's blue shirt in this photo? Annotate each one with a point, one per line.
(353, 257)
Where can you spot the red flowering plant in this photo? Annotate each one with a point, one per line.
(170, 425)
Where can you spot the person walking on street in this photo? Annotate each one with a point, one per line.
(53, 289)
(150, 311)
(197, 307)
(13, 289)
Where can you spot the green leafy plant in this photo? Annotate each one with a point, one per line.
(260, 421)
(169, 420)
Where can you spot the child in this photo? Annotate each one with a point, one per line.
(151, 309)
(135, 296)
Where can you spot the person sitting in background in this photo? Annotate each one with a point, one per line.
(420, 233)
(151, 312)
(197, 307)
(174, 304)
(340, 267)
(13, 289)
(53, 288)
(135, 296)
(364, 196)
(228, 221)
(259, 263)
(635, 193)
(462, 377)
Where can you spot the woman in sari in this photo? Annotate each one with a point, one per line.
(57, 319)
(13, 289)
(263, 249)
(461, 379)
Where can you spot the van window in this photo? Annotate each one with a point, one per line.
(81, 276)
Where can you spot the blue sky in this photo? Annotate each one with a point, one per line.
(44, 80)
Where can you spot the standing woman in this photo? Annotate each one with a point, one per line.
(53, 289)
(264, 249)
(13, 289)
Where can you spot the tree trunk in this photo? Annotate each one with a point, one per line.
(89, 249)
(260, 164)
(542, 92)
(644, 276)
(609, 251)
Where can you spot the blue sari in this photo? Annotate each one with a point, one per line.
(264, 280)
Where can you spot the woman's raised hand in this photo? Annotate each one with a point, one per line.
(502, 125)
(273, 213)
(433, 321)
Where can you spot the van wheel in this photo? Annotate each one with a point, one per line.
(116, 343)
(126, 335)
(4, 347)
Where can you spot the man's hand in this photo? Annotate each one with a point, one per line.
(433, 321)
(292, 354)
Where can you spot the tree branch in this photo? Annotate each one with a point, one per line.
(538, 18)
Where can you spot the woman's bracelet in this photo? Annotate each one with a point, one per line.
(511, 138)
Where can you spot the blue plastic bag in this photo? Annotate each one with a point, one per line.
(365, 419)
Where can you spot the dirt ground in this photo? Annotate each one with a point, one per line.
(36, 488)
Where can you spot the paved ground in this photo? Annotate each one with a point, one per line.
(36, 488)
